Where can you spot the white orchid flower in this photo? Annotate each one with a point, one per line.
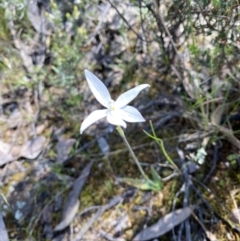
(117, 112)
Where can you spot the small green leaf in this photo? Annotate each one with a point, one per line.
(156, 177)
(233, 157)
(142, 184)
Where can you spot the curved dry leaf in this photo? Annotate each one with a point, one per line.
(216, 119)
(229, 136)
(216, 116)
(36, 15)
(15, 119)
(103, 145)
(5, 153)
(63, 148)
(235, 216)
(46, 221)
(72, 204)
(5, 158)
(27, 59)
(69, 213)
(4, 148)
(3, 230)
(164, 225)
(211, 236)
(32, 148)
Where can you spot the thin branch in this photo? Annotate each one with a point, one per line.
(124, 19)
(160, 18)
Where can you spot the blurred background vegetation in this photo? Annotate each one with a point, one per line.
(188, 51)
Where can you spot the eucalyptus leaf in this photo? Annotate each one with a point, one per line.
(72, 203)
(164, 224)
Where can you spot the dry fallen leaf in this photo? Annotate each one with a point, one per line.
(4, 147)
(72, 204)
(5, 158)
(32, 148)
(3, 230)
(211, 236)
(216, 119)
(217, 114)
(46, 221)
(15, 119)
(164, 225)
(63, 149)
(36, 15)
(103, 145)
(235, 216)
(5, 153)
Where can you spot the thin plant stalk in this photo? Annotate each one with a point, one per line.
(121, 133)
(161, 144)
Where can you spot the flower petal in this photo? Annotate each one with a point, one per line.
(116, 121)
(129, 95)
(130, 114)
(98, 89)
(93, 117)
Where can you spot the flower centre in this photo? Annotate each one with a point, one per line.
(112, 107)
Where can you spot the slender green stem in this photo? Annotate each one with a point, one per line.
(161, 144)
(121, 133)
